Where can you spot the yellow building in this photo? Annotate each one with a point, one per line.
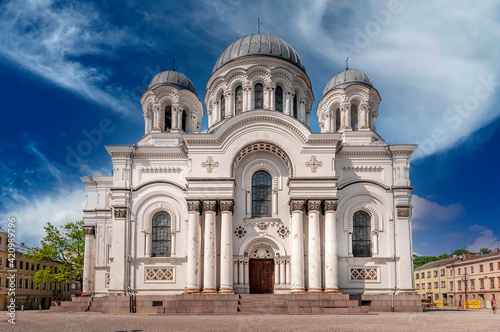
(27, 294)
(431, 280)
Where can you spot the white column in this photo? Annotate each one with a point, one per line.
(331, 259)
(209, 208)
(235, 272)
(247, 274)
(272, 100)
(314, 254)
(249, 204)
(251, 105)
(156, 117)
(226, 247)
(274, 202)
(245, 99)
(149, 244)
(229, 104)
(297, 259)
(282, 272)
(328, 123)
(288, 273)
(193, 285)
(288, 109)
(87, 260)
(349, 245)
(175, 117)
(276, 272)
(241, 273)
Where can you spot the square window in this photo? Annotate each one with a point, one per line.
(471, 269)
(491, 266)
(481, 268)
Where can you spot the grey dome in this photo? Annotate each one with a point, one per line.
(346, 78)
(173, 78)
(261, 45)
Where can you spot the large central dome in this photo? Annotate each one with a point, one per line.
(259, 45)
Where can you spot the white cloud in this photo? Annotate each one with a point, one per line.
(427, 214)
(58, 207)
(47, 38)
(483, 238)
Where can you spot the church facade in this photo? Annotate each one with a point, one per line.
(258, 203)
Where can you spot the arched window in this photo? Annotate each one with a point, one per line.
(338, 123)
(222, 106)
(259, 96)
(361, 243)
(278, 99)
(295, 106)
(161, 235)
(184, 120)
(354, 117)
(238, 100)
(261, 194)
(168, 117)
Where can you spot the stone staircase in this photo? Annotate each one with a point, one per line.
(262, 304)
(75, 305)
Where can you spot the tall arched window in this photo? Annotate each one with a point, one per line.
(295, 106)
(238, 100)
(261, 194)
(278, 99)
(184, 120)
(222, 107)
(259, 96)
(361, 241)
(161, 235)
(168, 117)
(338, 123)
(354, 117)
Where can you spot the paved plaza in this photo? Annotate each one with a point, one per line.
(479, 320)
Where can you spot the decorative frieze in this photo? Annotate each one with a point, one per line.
(161, 169)
(160, 274)
(89, 230)
(403, 212)
(120, 212)
(227, 205)
(363, 168)
(314, 164)
(210, 164)
(364, 274)
(331, 205)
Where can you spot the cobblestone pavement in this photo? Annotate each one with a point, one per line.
(478, 320)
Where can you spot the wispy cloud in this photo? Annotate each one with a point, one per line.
(483, 238)
(50, 39)
(428, 214)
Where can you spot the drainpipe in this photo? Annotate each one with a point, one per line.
(129, 217)
(393, 228)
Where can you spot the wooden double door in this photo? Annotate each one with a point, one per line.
(261, 276)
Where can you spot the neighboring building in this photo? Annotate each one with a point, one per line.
(431, 281)
(257, 203)
(475, 278)
(27, 293)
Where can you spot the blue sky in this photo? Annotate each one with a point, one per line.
(67, 69)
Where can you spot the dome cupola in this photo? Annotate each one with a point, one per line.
(172, 78)
(347, 77)
(259, 45)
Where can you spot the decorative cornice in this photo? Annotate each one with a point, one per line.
(142, 185)
(161, 170)
(343, 186)
(363, 168)
(262, 146)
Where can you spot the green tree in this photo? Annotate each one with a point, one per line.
(64, 246)
(460, 252)
(485, 251)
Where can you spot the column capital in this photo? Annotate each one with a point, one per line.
(120, 213)
(313, 205)
(331, 205)
(226, 205)
(194, 205)
(297, 205)
(210, 206)
(89, 230)
(403, 211)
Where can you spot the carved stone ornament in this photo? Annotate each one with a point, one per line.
(240, 232)
(283, 231)
(210, 164)
(296, 205)
(314, 164)
(120, 213)
(403, 212)
(331, 205)
(262, 226)
(314, 205)
(89, 230)
(194, 206)
(227, 206)
(210, 206)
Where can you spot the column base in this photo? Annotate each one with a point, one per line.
(86, 294)
(332, 291)
(314, 291)
(226, 291)
(298, 291)
(192, 291)
(209, 291)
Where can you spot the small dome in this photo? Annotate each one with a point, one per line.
(259, 45)
(346, 78)
(173, 78)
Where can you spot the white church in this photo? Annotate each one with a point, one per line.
(257, 204)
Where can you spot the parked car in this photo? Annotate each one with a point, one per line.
(427, 303)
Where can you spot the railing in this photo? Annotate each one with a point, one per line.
(90, 302)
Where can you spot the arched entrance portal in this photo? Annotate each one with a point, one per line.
(261, 274)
